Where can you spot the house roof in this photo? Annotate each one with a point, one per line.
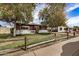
(30, 24)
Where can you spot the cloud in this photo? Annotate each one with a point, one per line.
(73, 21)
(38, 8)
(72, 7)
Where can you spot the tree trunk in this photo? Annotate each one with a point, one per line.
(37, 30)
(14, 29)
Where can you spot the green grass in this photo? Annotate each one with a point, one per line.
(9, 46)
(32, 39)
(4, 36)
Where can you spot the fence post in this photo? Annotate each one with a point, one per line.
(67, 35)
(25, 43)
(55, 35)
(74, 33)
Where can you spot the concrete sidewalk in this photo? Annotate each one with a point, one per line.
(65, 48)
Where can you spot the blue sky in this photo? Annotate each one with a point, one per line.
(71, 10)
(36, 12)
(72, 14)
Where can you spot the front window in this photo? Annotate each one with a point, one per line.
(60, 28)
(25, 27)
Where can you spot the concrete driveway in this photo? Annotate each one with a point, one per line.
(65, 48)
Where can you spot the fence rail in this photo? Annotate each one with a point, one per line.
(31, 42)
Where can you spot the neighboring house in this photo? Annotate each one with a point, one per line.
(4, 30)
(54, 29)
(59, 29)
(30, 28)
(62, 29)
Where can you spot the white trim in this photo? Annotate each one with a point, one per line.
(62, 29)
(25, 32)
(43, 31)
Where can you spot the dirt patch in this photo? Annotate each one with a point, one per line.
(6, 43)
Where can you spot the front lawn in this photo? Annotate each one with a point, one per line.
(4, 36)
(32, 39)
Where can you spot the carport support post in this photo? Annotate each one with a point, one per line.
(25, 43)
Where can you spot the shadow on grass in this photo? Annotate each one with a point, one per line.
(33, 34)
(5, 36)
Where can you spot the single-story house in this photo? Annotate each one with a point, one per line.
(62, 29)
(30, 28)
(59, 29)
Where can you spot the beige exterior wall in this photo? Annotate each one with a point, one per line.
(4, 30)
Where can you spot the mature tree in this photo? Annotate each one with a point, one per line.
(17, 12)
(53, 15)
(75, 27)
